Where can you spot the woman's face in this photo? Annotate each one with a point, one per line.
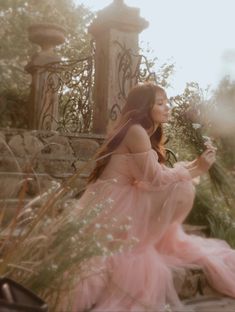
(160, 111)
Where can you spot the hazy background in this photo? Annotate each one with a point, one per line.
(196, 35)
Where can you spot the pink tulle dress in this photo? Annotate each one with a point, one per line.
(158, 199)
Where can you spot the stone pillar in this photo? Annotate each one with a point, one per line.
(43, 105)
(116, 27)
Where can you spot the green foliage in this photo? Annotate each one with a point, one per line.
(17, 16)
(192, 116)
(16, 49)
(13, 109)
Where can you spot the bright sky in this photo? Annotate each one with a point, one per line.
(197, 35)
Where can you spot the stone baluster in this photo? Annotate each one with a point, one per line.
(115, 27)
(43, 104)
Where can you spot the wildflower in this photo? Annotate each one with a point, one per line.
(104, 249)
(73, 239)
(97, 226)
(206, 139)
(109, 237)
(196, 126)
(99, 206)
(54, 267)
(167, 308)
(110, 200)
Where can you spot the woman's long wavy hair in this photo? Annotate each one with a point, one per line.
(137, 110)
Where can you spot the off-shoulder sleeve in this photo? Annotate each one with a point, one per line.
(146, 169)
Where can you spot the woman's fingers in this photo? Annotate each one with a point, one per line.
(210, 157)
(207, 159)
(209, 152)
(209, 145)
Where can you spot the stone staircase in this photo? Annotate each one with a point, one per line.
(210, 304)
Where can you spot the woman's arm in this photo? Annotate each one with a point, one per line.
(138, 141)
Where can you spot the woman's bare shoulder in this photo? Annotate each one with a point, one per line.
(137, 139)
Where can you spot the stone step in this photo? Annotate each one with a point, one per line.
(33, 184)
(195, 229)
(191, 282)
(13, 182)
(51, 164)
(210, 304)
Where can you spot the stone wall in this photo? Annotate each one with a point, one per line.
(37, 160)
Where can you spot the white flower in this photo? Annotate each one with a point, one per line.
(167, 308)
(73, 239)
(99, 206)
(196, 126)
(206, 139)
(104, 249)
(110, 200)
(109, 237)
(54, 267)
(97, 226)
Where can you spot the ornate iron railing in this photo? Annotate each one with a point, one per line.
(72, 83)
(132, 69)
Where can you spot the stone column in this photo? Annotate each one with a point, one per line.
(115, 29)
(43, 105)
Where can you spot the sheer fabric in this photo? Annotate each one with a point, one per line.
(158, 199)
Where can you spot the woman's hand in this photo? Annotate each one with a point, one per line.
(203, 163)
(207, 158)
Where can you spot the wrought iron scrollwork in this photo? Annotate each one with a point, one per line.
(71, 81)
(131, 70)
(114, 112)
(171, 157)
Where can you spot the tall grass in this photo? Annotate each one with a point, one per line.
(49, 252)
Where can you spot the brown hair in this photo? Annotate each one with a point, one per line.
(137, 110)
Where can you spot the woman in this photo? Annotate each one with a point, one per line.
(130, 170)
